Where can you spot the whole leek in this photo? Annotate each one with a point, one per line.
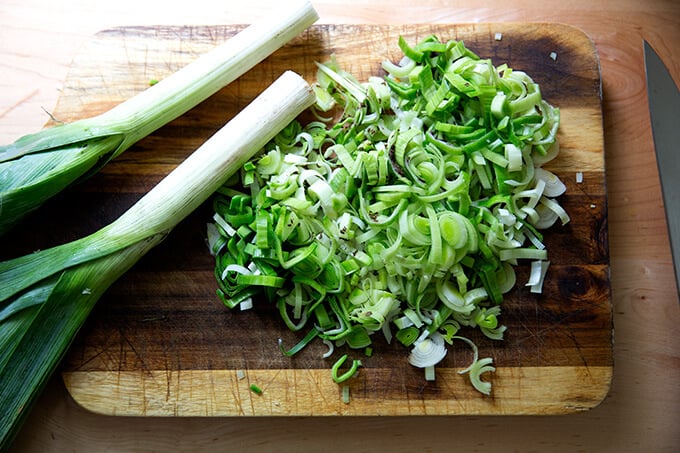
(46, 296)
(38, 166)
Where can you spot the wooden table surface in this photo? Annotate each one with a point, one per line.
(38, 40)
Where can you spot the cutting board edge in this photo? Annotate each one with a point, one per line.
(167, 397)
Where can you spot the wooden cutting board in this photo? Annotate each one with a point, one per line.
(161, 343)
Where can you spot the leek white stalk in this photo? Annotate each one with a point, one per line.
(38, 166)
(46, 296)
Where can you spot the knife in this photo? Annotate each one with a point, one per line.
(664, 109)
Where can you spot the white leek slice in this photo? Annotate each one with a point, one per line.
(428, 352)
(554, 187)
(540, 268)
(550, 155)
(478, 368)
(546, 217)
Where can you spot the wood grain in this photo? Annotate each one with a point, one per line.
(310, 392)
(160, 342)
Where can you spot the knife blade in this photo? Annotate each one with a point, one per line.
(664, 109)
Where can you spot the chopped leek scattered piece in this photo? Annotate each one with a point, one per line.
(345, 393)
(38, 166)
(335, 369)
(428, 351)
(255, 389)
(406, 215)
(46, 296)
